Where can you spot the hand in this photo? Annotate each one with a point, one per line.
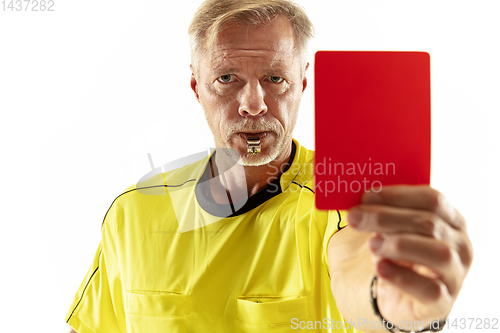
(420, 249)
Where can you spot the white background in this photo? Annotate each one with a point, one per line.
(88, 90)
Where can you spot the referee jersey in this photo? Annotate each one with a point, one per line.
(171, 259)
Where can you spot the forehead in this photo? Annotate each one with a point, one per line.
(273, 44)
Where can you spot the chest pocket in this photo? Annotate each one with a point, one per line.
(270, 314)
(153, 311)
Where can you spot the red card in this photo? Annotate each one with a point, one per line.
(372, 123)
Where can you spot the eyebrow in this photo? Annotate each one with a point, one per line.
(218, 65)
(268, 71)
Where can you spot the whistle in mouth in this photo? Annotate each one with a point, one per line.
(253, 145)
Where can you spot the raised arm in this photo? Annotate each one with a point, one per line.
(418, 247)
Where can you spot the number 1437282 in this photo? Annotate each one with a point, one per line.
(28, 5)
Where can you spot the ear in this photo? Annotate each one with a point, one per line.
(194, 84)
(304, 79)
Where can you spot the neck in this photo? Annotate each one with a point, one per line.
(240, 182)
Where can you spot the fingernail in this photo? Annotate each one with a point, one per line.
(371, 198)
(354, 217)
(376, 243)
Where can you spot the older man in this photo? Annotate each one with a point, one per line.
(233, 242)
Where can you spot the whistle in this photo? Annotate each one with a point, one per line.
(253, 145)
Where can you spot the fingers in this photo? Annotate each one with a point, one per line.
(423, 289)
(416, 197)
(387, 219)
(392, 217)
(418, 231)
(421, 251)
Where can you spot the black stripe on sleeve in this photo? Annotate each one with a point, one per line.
(340, 220)
(143, 188)
(95, 271)
(302, 186)
(83, 292)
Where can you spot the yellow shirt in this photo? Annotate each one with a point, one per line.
(169, 261)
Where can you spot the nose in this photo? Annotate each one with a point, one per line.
(252, 100)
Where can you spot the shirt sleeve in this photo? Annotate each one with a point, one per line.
(98, 304)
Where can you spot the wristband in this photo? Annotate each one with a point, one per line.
(373, 296)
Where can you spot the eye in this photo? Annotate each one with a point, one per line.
(275, 79)
(225, 78)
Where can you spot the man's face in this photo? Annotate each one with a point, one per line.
(250, 84)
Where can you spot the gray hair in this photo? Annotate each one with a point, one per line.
(213, 14)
